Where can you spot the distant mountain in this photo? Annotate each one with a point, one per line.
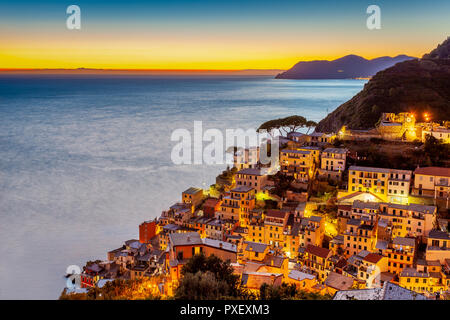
(350, 66)
(419, 85)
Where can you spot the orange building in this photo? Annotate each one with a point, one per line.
(318, 260)
(274, 224)
(210, 207)
(147, 230)
(401, 254)
(238, 204)
(359, 236)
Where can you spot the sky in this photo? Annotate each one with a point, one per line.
(222, 35)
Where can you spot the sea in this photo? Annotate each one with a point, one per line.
(84, 159)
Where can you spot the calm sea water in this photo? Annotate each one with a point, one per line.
(84, 160)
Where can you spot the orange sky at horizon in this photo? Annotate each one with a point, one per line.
(121, 51)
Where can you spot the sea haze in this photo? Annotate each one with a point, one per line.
(84, 160)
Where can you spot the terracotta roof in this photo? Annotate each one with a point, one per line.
(274, 261)
(254, 280)
(317, 251)
(341, 263)
(373, 257)
(338, 281)
(276, 213)
(433, 171)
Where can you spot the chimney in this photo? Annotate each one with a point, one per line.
(188, 239)
(220, 245)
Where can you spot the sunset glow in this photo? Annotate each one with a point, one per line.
(203, 35)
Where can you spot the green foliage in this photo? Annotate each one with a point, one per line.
(436, 151)
(288, 124)
(207, 278)
(414, 85)
(202, 286)
(118, 289)
(288, 292)
(282, 183)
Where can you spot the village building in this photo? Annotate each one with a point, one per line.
(275, 222)
(193, 196)
(317, 259)
(246, 158)
(401, 254)
(300, 164)
(388, 184)
(147, 231)
(332, 165)
(302, 280)
(336, 282)
(252, 281)
(210, 207)
(432, 182)
(238, 204)
(440, 133)
(413, 220)
(359, 236)
(438, 246)
(253, 178)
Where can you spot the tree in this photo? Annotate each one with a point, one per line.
(286, 125)
(283, 292)
(222, 281)
(288, 292)
(310, 124)
(202, 286)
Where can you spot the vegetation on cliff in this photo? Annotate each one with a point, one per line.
(418, 86)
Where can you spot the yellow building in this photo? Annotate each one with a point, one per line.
(302, 280)
(398, 126)
(275, 222)
(413, 220)
(359, 236)
(440, 133)
(298, 163)
(246, 158)
(252, 177)
(432, 182)
(318, 260)
(332, 163)
(256, 233)
(238, 205)
(371, 268)
(438, 246)
(422, 281)
(254, 251)
(388, 184)
(401, 253)
(193, 196)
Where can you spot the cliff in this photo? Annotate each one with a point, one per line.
(418, 86)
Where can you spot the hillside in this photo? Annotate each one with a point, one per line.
(420, 85)
(350, 66)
